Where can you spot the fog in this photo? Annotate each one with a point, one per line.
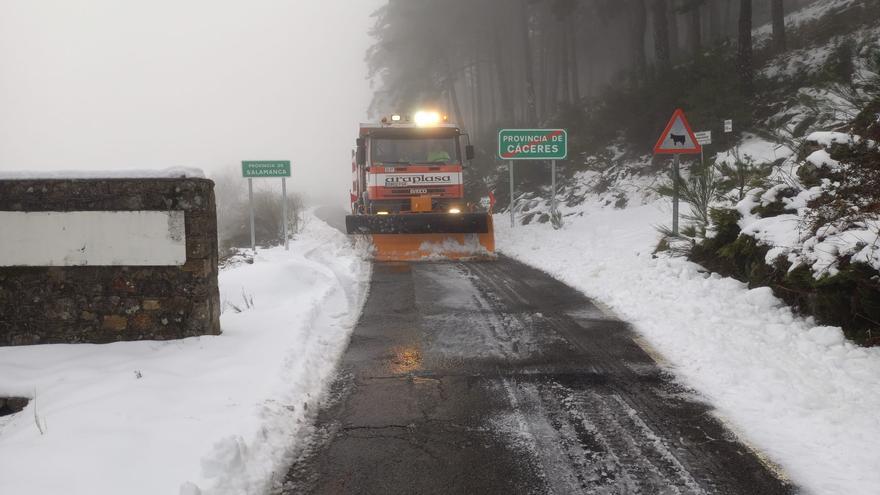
(110, 85)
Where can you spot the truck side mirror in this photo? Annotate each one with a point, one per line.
(469, 152)
(361, 157)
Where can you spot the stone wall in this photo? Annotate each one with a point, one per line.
(99, 304)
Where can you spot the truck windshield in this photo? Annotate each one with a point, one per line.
(420, 150)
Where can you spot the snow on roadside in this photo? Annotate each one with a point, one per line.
(797, 391)
(207, 415)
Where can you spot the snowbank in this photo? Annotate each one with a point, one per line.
(210, 415)
(787, 235)
(168, 173)
(827, 138)
(822, 158)
(797, 391)
(756, 150)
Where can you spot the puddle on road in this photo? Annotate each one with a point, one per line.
(405, 359)
(445, 287)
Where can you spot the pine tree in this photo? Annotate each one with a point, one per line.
(744, 48)
(778, 14)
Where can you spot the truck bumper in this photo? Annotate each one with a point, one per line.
(419, 223)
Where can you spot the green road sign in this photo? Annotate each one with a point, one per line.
(532, 144)
(265, 168)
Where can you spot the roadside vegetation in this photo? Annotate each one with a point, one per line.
(233, 213)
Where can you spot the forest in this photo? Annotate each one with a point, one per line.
(604, 69)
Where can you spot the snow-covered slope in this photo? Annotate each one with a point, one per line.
(209, 415)
(811, 12)
(797, 391)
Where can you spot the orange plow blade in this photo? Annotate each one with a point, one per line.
(412, 237)
(414, 247)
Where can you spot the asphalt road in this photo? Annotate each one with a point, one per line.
(492, 377)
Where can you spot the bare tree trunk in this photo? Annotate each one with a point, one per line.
(661, 35)
(640, 28)
(554, 63)
(564, 65)
(778, 13)
(493, 93)
(453, 95)
(696, 29)
(744, 48)
(587, 64)
(590, 69)
(715, 29)
(728, 16)
(475, 98)
(531, 114)
(505, 99)
(575, 69)
(674, 41)
(544, 48)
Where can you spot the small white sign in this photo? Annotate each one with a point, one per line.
(728, 126)
(92, 238)
(704, 137)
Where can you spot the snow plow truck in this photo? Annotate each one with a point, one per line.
(407, 192)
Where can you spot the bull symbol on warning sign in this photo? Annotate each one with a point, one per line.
(677, 137)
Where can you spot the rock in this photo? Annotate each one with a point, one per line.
(151, 305)
(115, 323)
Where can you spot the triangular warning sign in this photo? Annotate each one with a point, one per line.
(678, 138)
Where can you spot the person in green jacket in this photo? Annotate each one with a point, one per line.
(437, 154)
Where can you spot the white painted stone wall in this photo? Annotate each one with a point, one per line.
(93, 238)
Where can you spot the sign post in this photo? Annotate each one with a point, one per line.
(251, 206)
(284, 212)
(677, 139)
(532, 144)
(267, 169)
(704, 138)
(676, 191)
(512, 192)
(728, 129)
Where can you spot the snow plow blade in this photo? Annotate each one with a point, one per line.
(421, 236)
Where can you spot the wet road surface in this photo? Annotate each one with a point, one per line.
(492, 377)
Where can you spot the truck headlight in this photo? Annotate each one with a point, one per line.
(426, 118)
